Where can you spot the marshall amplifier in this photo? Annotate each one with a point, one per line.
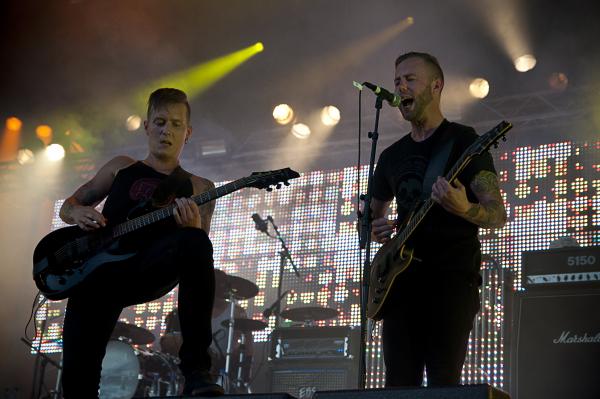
(562, 267)
(555, 351)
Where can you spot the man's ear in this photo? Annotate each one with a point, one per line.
(188, 134)
(146, 127)
(437, 85)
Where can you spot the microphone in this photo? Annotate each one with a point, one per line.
(259, 223)
(392, 98)
(269, 311)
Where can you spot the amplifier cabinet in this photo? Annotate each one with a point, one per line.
(302, 379)
(555, 349)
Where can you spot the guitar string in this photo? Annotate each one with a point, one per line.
(144, 220)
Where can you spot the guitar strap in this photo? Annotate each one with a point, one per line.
(440, 154)
(167, 188)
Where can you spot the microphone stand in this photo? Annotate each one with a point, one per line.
(284, 256)
(365, 243)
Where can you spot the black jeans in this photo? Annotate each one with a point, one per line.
(182, 256)
(427, 322)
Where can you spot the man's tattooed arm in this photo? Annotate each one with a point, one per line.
(490, 211)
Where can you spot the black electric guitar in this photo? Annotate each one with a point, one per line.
(394, 256)
(66, 257)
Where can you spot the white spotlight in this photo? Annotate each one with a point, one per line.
(25, 156)
(479, 88)
(525, 63)
(300, 130)
(283, 114)
(330, 115)
(133, 122)
(55, 152)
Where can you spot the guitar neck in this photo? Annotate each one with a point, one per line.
(166, 212)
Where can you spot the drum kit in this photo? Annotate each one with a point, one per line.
(130, 370)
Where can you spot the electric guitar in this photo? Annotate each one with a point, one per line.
(64, 258)
(394, 256)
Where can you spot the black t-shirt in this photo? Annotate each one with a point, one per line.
(442, 240)
(133, 185)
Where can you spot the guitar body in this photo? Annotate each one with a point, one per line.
(389, 262)
(66, 257)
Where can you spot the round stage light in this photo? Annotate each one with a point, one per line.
(301, 131)
(25, 156)
(283, 114)
(479, 88)
(44, 133)
(13, 124)
(133, 122)
(259, 47)
(330, 115)
(525, 63)
(55, 152)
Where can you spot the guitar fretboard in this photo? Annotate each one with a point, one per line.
(166, 212)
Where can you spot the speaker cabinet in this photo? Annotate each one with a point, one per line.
(303, 379)
(556, 344)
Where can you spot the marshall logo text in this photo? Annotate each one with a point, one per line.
(567, 338)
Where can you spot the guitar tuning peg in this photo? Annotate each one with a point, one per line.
(269, 189)
(495, 145)
(287, 183)
(278, 186)
(503, 138)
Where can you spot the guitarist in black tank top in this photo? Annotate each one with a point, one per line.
(429, 310)
(179, 253)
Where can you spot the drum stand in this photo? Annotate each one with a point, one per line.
(229, 352)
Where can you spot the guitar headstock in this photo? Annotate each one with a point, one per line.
(271, 178)
(491, 138)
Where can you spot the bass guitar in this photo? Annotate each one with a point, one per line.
(394, 256)
(63, 259)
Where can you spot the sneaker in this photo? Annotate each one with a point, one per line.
(200, 383)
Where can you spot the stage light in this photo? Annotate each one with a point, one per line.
(55, 152)
(44, 133)
(479, 88)
(558, 81)
(283, 114)
(259, 47)
(301, 131)
(13, 124)
(198, 78)
(133, 122)
(330, 115)
(25, 156)
(525, 63)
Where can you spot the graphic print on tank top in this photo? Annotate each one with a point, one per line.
(409, 183)
(142, 189)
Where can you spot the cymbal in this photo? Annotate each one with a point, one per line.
(309, 313)
(240, 287)
(245, 325)
(136, 335)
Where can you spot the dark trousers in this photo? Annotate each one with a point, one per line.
(427, 322)
(182, 256)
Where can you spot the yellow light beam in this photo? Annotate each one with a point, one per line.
(199, 78)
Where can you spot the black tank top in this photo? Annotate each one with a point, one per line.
(134, 185)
